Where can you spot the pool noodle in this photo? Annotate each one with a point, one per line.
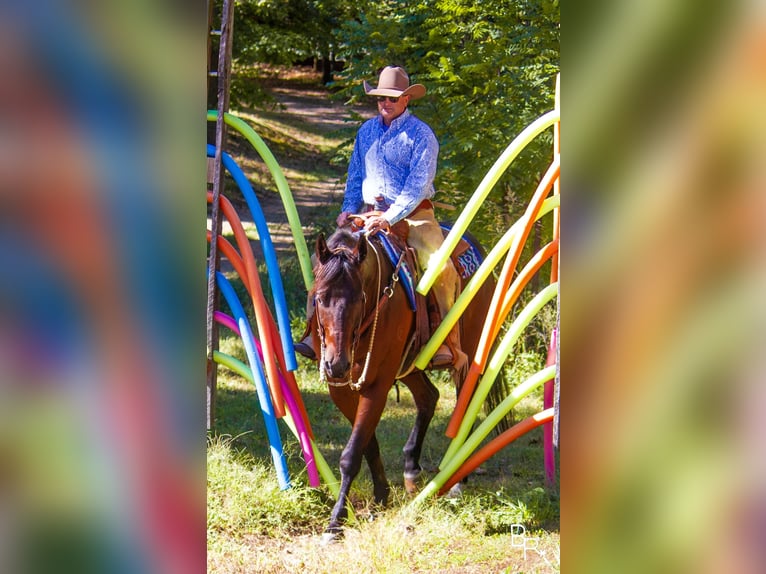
(472, 287)
(439, 258)
(231, 254)
(304, 258)
(497, 443)
(236, 261)
(322, 466)
(262, 311)
(494, 318)
(451, 466)
(466, 391)
(514, 253)
(299, 414)
(496, 363)
(264, 398)
(227, 321)
(549, 457)
(269, 255)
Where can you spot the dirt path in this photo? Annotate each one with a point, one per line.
(303, 134)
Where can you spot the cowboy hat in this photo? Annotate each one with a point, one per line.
(395, 82)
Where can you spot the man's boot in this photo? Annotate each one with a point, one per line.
(443, 357)
(305, 346)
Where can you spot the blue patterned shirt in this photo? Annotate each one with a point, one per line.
(392, 168)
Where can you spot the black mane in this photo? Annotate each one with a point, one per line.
(343, 264)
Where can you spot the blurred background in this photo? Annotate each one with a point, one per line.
(102, 289)
(662, 313)
(102, 349)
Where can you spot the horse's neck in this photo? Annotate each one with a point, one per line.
(376, 270)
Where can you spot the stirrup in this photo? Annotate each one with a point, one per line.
(442, 358)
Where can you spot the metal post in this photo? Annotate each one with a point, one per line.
(223, 74)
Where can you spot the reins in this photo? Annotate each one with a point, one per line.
(370, 320)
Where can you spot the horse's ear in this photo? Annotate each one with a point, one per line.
(323, 253)
(361, 249)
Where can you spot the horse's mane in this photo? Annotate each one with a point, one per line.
(343, 263)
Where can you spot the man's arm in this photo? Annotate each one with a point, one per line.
(419, 183)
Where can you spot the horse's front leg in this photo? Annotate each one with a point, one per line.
(368, 412)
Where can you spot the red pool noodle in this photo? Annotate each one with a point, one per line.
(231, 254)
(259, 304)
(492, 324)
(482, 352)
(532, 267)
(262, 311)
(492, 447)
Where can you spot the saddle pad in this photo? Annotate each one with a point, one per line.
(469, 259)
(467, 262)
(406, 274)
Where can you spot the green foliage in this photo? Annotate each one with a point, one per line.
(489, 67)
(253, 526)
(274, 31)
(534, 509)
(501, 512)
(280, 32)
(490, 70)
(244, 497)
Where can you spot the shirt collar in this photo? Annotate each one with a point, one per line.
(394, 124)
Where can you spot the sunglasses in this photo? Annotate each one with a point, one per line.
(391, 99)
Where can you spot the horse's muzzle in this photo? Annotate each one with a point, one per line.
(338, 370)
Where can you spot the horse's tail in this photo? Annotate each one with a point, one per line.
(500, 389)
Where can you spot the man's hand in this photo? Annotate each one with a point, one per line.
(377, 223)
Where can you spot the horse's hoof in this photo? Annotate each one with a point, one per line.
(456, 491)
(410, 485)
(330, 538)
(411, 481)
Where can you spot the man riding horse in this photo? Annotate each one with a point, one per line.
(391, 175)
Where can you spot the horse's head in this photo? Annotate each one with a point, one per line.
(339, 300)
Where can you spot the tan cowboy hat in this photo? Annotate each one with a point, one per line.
(395, 82)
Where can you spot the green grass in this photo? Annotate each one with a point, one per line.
(253, 526)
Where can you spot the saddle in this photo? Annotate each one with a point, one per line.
(466, 258)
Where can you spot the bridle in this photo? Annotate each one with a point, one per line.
(368, 320)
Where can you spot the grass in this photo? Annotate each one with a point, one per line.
(255, 527)
(252, 526)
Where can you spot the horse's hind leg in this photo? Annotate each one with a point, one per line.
(425, 395)
(380, 486)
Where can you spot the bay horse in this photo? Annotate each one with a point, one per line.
(364, 326)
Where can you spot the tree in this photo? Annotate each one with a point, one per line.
(490, 70)
(281, 32)
(489, 67)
